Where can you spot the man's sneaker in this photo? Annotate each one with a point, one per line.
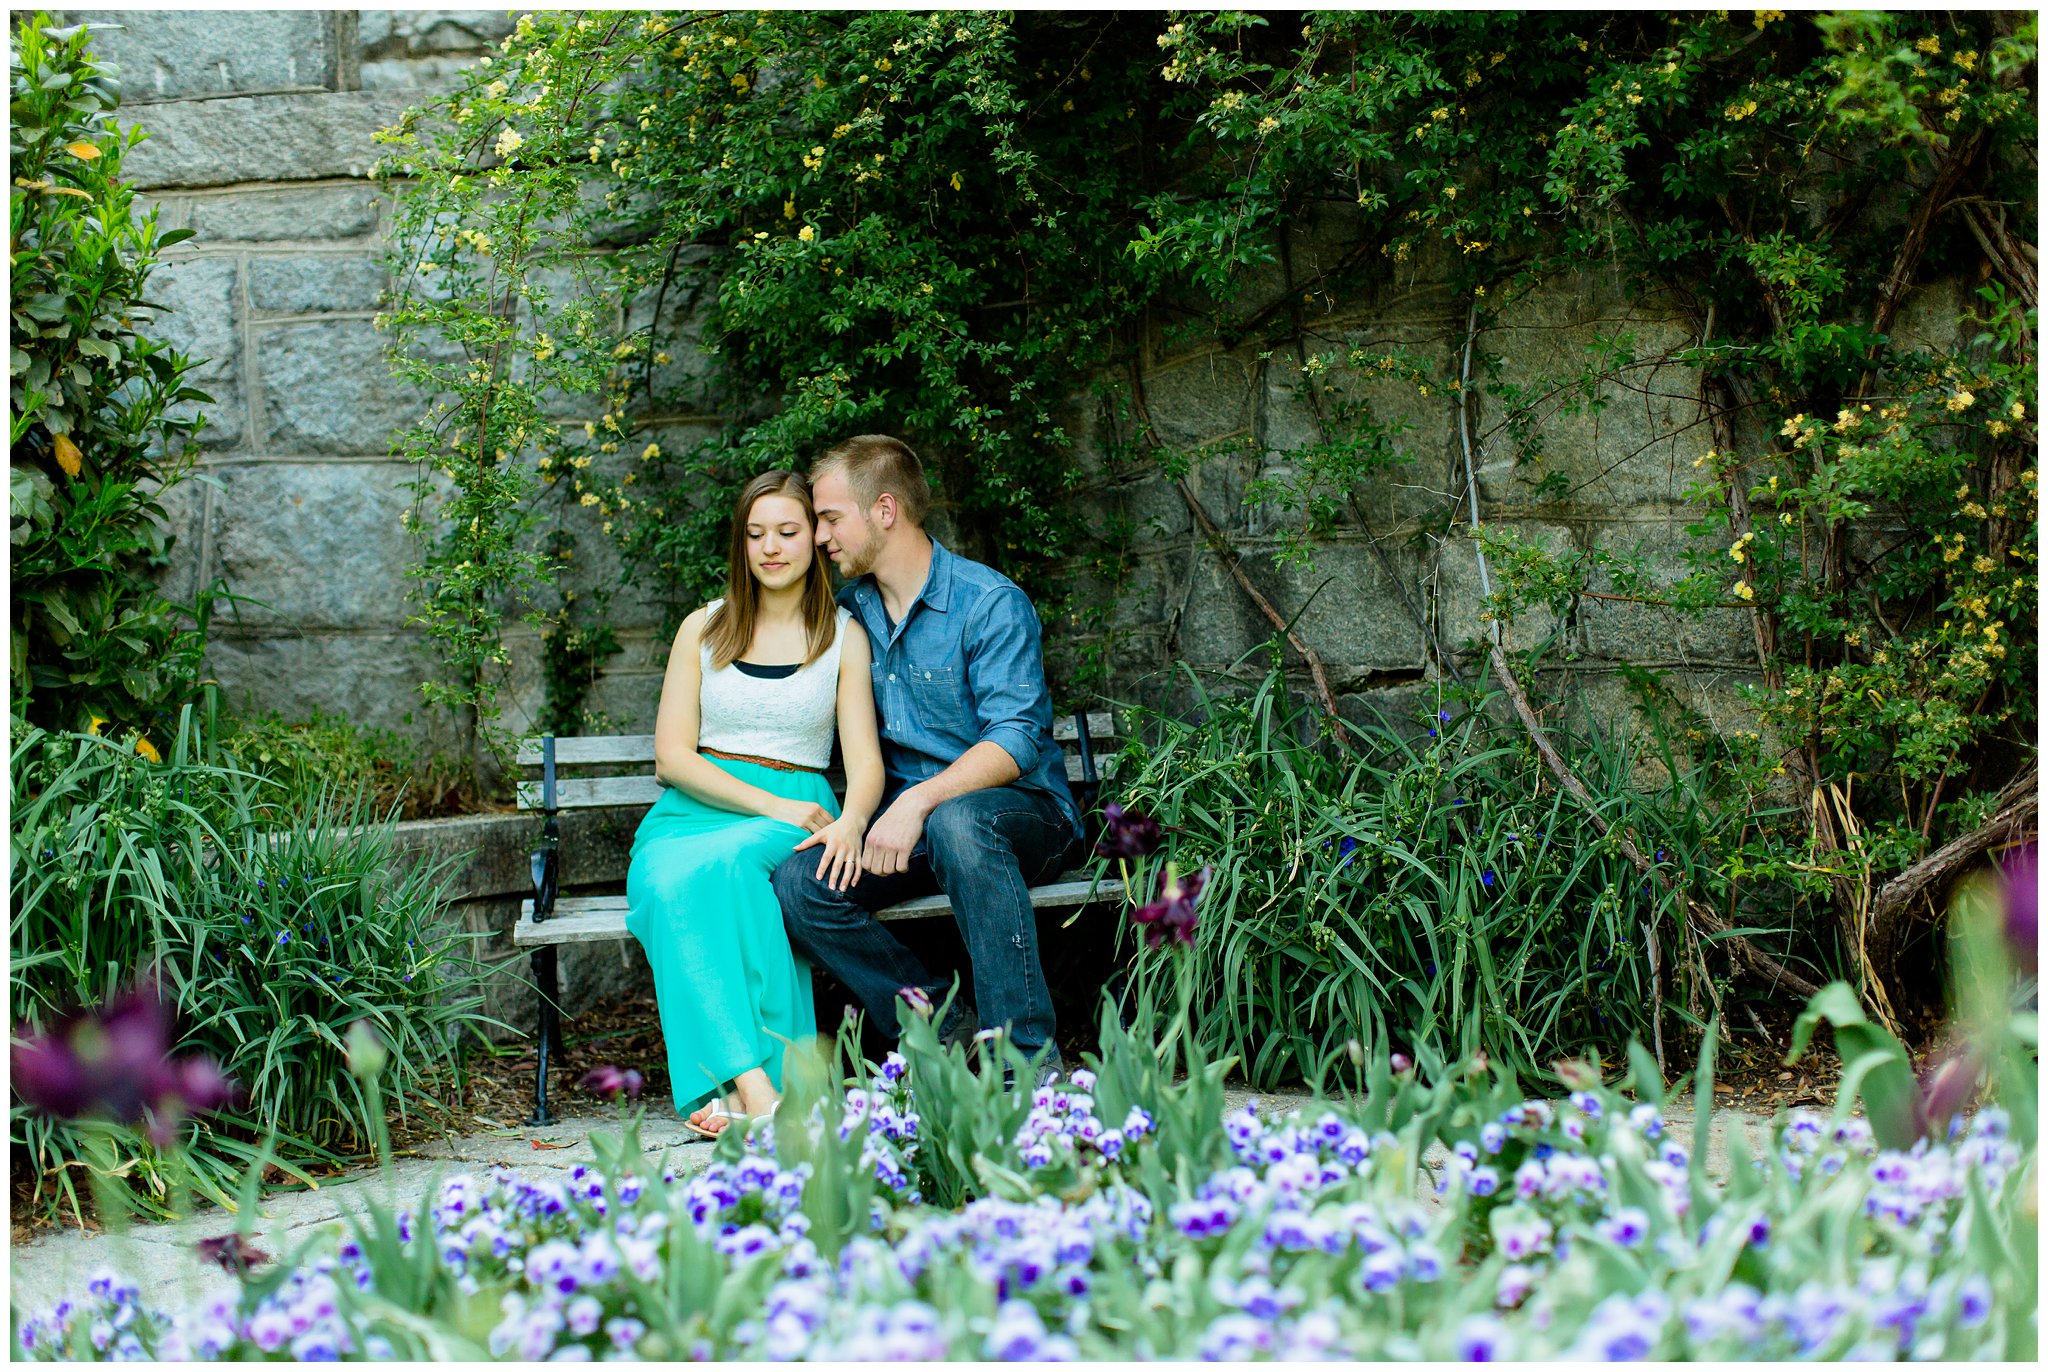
(960, 1026)
(1049, 1070)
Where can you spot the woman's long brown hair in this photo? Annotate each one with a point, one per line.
(731, 630)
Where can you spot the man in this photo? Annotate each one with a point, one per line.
(976, 802)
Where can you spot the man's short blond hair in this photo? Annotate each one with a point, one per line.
(875, 464)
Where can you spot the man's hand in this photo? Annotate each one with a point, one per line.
(891, 837)
(840, 842)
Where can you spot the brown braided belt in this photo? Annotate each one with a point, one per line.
(772, 762)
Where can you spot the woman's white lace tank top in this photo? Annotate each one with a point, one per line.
(790, 719)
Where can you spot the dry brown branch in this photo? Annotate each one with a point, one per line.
(1709, 921)
(1233, 562)
(1955, 163)
(2013, 812)
(1699, 915)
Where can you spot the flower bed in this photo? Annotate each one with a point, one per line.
(1099, 1225)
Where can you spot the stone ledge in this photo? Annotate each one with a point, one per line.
(236, 139)
(596, 844)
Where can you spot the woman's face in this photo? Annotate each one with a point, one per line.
(779, 548)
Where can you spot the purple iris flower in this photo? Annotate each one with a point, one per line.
(1127, 833)
(612, 1082)
(2022, 899)
(114, 1061)
(1172, 914)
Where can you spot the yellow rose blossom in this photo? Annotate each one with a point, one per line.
(1930, 45)
(652, 450)
(147, 749)
(509, 142)
(807, 233)
(1742, 591)
(1960, 401)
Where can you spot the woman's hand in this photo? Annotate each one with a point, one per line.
(839, 860)
(804, 814)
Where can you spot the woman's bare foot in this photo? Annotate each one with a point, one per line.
(756, 1094)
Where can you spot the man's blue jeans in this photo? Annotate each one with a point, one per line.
(983, 850)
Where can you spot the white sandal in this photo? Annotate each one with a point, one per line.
(719, 1110)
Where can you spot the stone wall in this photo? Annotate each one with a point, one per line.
(260, 131)
(261, 127)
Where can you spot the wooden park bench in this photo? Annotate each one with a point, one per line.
(577, 773)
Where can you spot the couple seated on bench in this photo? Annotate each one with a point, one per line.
(928, 666)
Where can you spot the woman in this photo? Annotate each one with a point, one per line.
(755, 683)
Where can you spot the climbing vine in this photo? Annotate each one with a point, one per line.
(649, 254)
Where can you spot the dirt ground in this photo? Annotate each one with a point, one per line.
(1750, 1071)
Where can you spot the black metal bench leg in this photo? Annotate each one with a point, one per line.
(547, 1032)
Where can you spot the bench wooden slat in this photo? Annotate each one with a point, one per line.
(619, 748)
(639, 748)
(577, 793)
(1101, 728)
(596, 919)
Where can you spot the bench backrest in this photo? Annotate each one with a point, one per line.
(618, 769)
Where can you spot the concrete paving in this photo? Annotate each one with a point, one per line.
(160, 1258)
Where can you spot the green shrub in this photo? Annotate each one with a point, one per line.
(95, 436)
(272, 927)
(326, 751)
(1432, 884)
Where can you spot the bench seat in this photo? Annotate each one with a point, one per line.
(594, 919)
(618, 770)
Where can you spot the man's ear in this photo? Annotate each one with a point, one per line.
(885, 510)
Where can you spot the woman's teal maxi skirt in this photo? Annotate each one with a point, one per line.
(731, 993)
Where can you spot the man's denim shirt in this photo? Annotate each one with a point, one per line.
(962, 668)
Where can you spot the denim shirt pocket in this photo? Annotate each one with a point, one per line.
(938, 697)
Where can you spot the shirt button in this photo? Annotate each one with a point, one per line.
(927, 676)
(892, 676)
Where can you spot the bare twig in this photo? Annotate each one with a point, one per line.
(1955, 162)
(1233, 562)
